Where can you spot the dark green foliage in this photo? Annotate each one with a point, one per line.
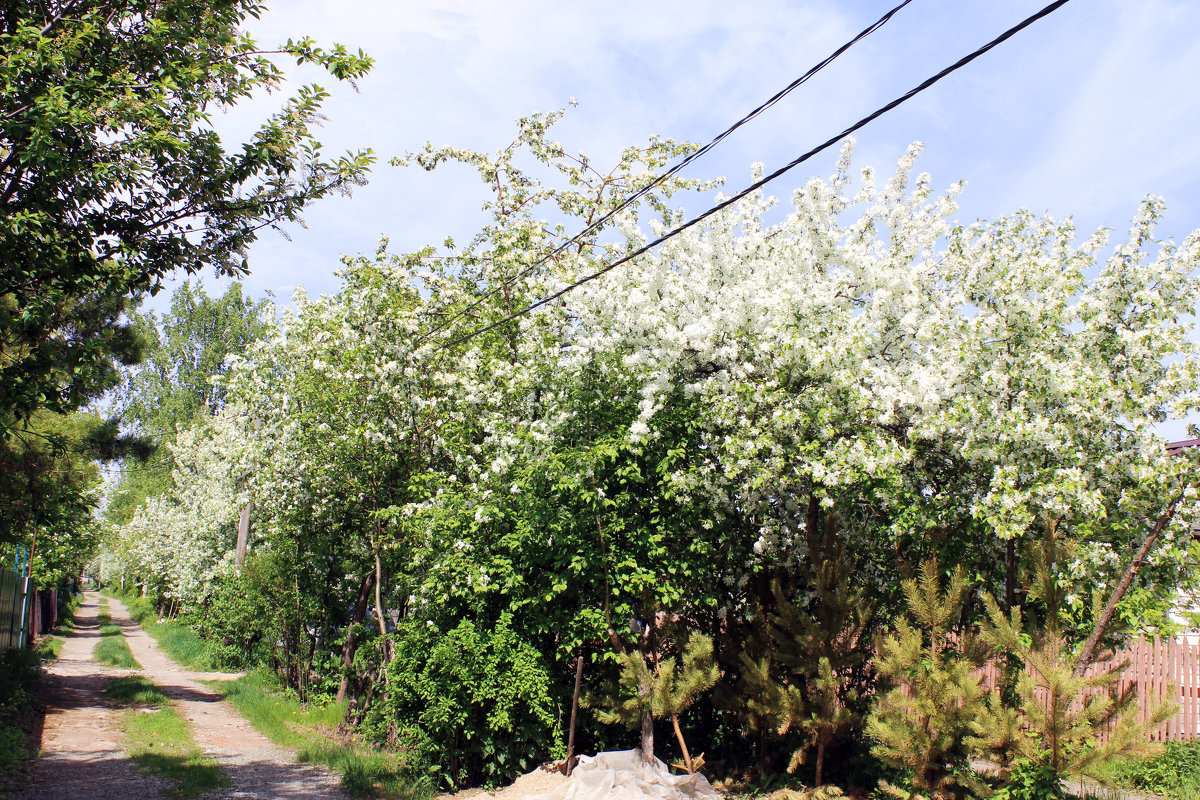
(18, 681)
(48, 490)
(243, 617)
(113, 177)
(474, 703)
(821, 644)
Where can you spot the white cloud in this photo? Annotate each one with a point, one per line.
(1083, 113)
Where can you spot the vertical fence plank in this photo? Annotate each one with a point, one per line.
(1173, 672)
(1185, 690)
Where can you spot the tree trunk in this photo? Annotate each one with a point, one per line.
(570, 765)
(687, 758)
(647, 735)
(762, 751)
(379, 610)
(820, 758)
(1093, 642)
(351, 643)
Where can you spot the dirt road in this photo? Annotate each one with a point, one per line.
(82, 757)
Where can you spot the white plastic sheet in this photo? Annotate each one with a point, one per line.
(623, 775)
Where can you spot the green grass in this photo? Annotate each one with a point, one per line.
(176, 640)
(1174, 772)
(312, 732)
(49, 648)
(112, 648)
(161, 743)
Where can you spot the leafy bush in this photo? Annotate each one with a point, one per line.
(1174, 772)
(474, 703)
(18, 676)
(1031, 781)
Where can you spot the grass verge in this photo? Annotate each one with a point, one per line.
(112, 648)
(159, 740)
(19, 713)
(176, 640)
(313, 734)
(1174, 772)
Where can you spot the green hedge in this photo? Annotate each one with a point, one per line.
(473, 703)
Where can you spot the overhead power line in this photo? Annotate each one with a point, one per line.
(962, 62)
(633, 198)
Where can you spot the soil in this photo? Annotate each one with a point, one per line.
(531, 783)
(81, 743)
(81, 753)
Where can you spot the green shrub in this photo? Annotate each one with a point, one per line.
(472, 703)
(18, 678)
(1031, 781)
(1174, 772)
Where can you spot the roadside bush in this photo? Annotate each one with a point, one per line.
(18, 677)
(1174, 772)
(473, 703)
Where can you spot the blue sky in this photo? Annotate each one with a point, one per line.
(1081, 115)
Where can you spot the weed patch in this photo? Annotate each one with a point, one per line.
(1174, 772)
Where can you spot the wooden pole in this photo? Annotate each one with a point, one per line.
(574, 713)
(243, 536)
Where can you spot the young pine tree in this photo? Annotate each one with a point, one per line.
(662, 691)
(923, 723)
(1061, 710)
(820, 645)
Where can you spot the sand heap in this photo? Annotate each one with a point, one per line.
(623, 775)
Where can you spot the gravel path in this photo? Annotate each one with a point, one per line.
(81, 753)
(259, 770)
(82, 756)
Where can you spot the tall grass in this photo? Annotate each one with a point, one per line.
(161, 742)
(1174, 772)
(112, 648)
(313, 733)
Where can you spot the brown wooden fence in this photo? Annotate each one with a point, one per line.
(1159, 667)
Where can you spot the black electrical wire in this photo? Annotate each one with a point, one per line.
(633, 198)
(962, 62)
